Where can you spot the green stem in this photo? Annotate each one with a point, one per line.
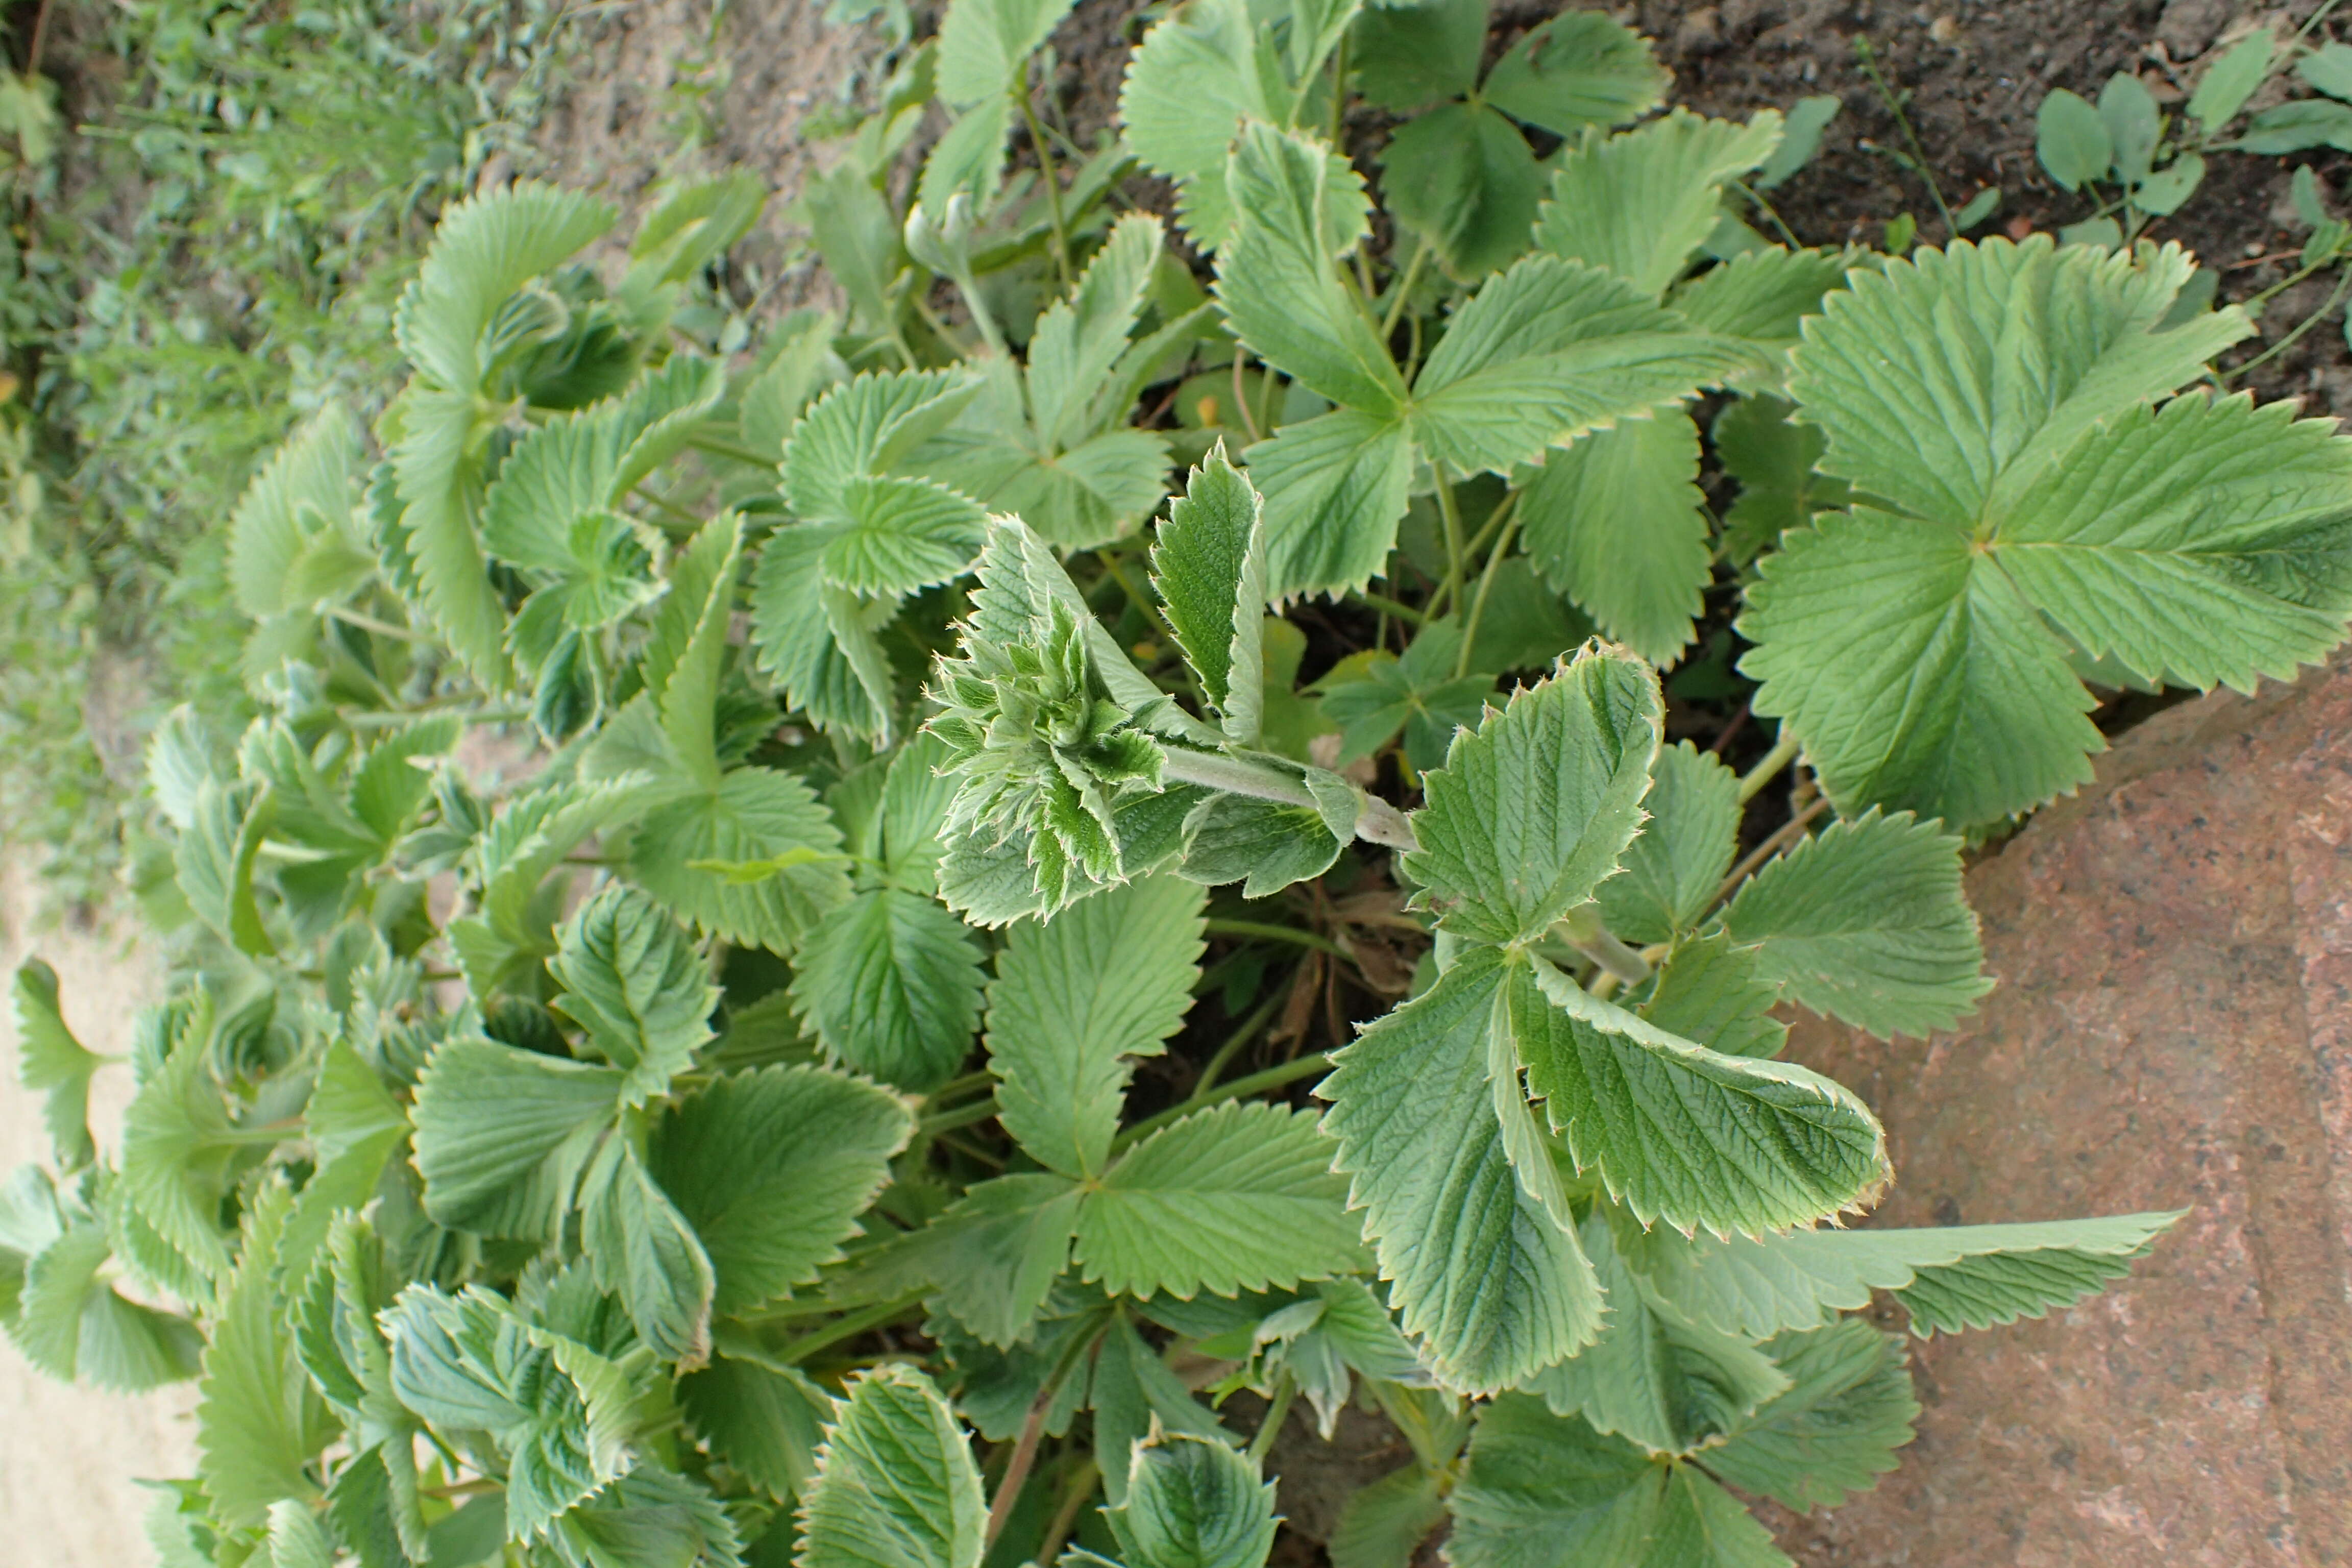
(1338, 97)
(1233, 776)
(1450, 510)
(1487, 585)
(1903, 123)
(1291, 1071)
(1276, 1413)
(1770, 213)
(1152, 615)
(1235, 1045)
(962, 1116)
(1046, 173)
(796, 1350)
(719, 449)
(1266, 933)
(2343, 285)
(1753, 780)
(1076, 1490)
(1382, 602)
(1404, 288)
(370, 624)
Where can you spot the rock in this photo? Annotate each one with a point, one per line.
(2186, 27)
(2173, 1029)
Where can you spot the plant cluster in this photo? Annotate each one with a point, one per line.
(183, 280)
(569, 1145)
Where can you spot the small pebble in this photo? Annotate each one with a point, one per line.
(1944, 30)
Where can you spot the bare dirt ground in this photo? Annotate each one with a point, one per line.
(70, 1459)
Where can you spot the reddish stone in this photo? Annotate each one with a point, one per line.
(2173, 1029)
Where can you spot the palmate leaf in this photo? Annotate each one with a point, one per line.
(483, 250)
(1335, 487)
(1196, 76)
(2048, 493)
(817, 643)
(1532, 811)
(1665, 1382)
(1208, 566)
(637, 985)
(1485, 1274)
(296, 517)
(1967, 1276)
(1732, 1145)
(766, 1422)
(896, 1484)
(1669, 874)
(650, 1515)
(53, 1063)
(642, 1250)
(259, 1423)
(1075, 1001)
(1763, 296)
(1547, 1491)
(1192, 1502)
(771, 1169)
(1463, 180)
(1836, 1428)
(1580, 69)
(70, 1321)
(177, 1143)
(1866, 921)
(1617, 524)
(1079, 341)
(1239, 1197)
(502, 1135)
(984, 45)
(889, 983)
(753, 814)
(355, 1125)
(1640, 203)
(992, 1257)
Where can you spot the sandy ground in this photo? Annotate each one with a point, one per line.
(70, 1459)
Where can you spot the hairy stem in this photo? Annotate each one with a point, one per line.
(1276, 1413)
(1486, 585)
(1053, 196)
(1235, 1045)
(1753, 780)
(1791, 831)
(1291, 1071)
(1016, 1472)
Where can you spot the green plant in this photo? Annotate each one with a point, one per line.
(573, 1153)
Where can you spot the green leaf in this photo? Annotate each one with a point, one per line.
(1463, 180)
(1808, 118)
(214, 860)
(2296, 127)
(1773, 456)
(1547, 1491)
(53, 1063)
(1580, 69)
(643, 1251)
(1133, 1393)
(1198, 74)
(2129, 111)
(1954, 413)
(1483, 1274)
(985, 44)
(1335, 487)
(1264, 845)
(502, 1135)
(1404, 56)
(1640, 203)
(1208, 566)
(1867, 921)
(1800, 1280)
(866, 427)
(484, 249)
(1668, 875)
(637, 986)
(1076, 1000)
(805, 366)
(771, 1169)
(1079, 341)
(71, 1323)
(1655, 1376)
(1419, 693)
(1192, 1502)
(766, 1422)
(295, 1539)
(754, 814)
(2072, 140)
(968, 160)
(2199, 544)
(817, 642)
(992, 1257)
(1617, 524)
(1532, 811)
(177, 1143)
(889, 983)
(1896, 651)
(1719, 996)
(1835, 1430)
(1764, 296)
(301, 502)
(896, 1485)
(2328, 68)
(1684, 1134)
(1238, 1197)
(1382, 1524)
(649, 1515)
(355, 1125)
(1550, 351)
(259, 1423)
(1300, 208)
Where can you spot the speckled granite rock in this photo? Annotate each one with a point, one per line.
(2173, 1029)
